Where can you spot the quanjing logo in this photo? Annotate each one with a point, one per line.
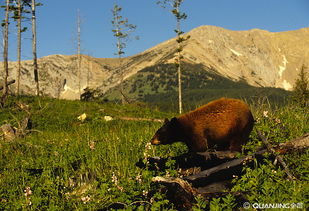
(299, 205)
(246, 205)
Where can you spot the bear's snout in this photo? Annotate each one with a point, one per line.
(155, 141)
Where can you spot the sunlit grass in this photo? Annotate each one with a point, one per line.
(69, 164)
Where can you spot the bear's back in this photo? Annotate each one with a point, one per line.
(217, 122)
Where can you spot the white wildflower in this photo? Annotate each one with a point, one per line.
(145, 192)
(139, 178)
(114, 179)
(146, 152)
(85, 199)
(265, 114)
(28, 192)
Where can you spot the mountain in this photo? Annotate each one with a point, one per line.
(256, 57)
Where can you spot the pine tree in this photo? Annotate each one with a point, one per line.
(301, 88)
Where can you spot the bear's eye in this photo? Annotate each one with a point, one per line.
(163, 129)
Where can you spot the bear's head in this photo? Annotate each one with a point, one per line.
(168, 133)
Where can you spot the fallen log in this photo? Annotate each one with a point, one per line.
(9, 83)
(189, 161)
(189, 186)
(180, 192)
(298, 143)
(223, 167)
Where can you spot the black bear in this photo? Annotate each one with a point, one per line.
(221, 124)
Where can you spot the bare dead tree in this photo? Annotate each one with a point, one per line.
(5, 53)
(18, 47)
(19, 8)
(18, 16)
(34, 48)
(79, 59)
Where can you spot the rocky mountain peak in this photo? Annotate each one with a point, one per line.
(258, 57)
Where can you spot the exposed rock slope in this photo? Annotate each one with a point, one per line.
(259, 57)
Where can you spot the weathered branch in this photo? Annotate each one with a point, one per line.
(140, 119)
(9, 83)
(218, 154)
(278, 157)
(298, 143)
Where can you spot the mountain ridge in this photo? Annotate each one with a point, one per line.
(258, 57)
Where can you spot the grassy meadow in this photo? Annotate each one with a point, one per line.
(63, 163)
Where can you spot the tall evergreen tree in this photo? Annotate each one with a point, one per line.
(174, 6)
(301, 88)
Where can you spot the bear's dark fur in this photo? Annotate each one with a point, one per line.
(221, 124)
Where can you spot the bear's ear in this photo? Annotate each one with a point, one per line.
(166, 120)
(174, 120)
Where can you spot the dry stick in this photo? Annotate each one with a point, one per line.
(278, 157)
(9, 83)
(140, 119)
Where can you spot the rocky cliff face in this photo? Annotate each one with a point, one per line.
(260, 58)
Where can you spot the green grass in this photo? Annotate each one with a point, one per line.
(72, 165)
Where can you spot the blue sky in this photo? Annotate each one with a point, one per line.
(56, 23)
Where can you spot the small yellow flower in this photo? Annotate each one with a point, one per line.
(91, 145)
(82, 117)
(108, 118)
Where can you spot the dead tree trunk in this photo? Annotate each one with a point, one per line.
(79, 59)
(5, 53)
(35, 60)
(179, 67)
(18, 47)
